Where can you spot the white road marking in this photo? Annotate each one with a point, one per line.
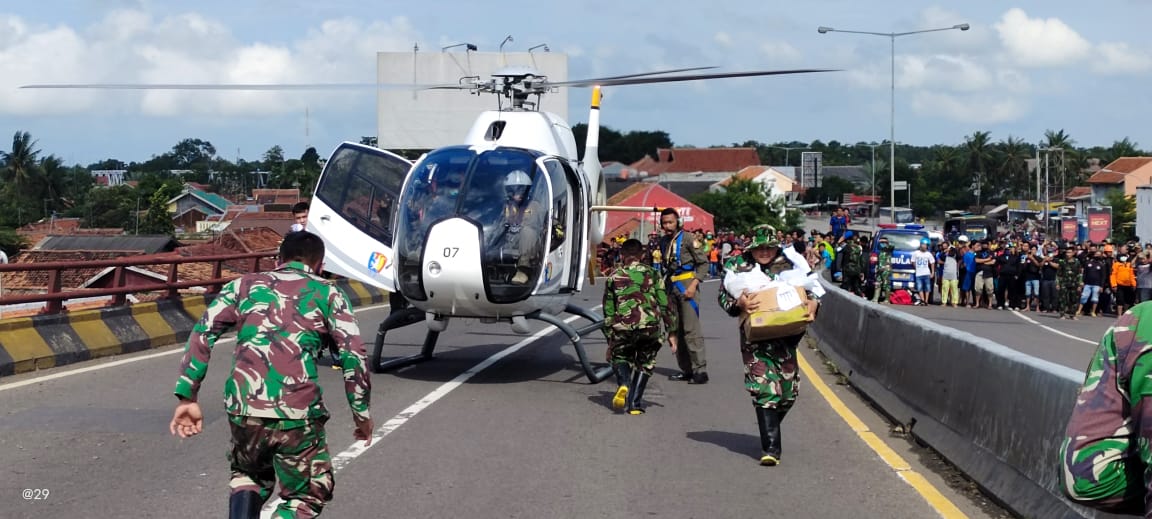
(357, 448)
(98, 367)
(1051, 329)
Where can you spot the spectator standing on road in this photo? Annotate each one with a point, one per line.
(950, 277)
(838, 224)
(883, 278)
(1009, 270)
(682, 263)
(924, 264)
(853, 265)
(1108, 440)
(771, 374)
(1143, 277)
(273, 402)
(968, 271)
(1093, 281)
(1069, 281)
(635, 306)
(1124, 281)
(1032, 262)
(985, 275)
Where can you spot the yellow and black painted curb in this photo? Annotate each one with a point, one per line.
(45, 341)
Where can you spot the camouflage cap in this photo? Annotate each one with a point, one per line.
(764, 235)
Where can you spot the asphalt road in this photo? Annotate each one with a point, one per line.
(1042, 335)
(525, 437)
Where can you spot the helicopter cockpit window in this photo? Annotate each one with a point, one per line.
(361, 187)
(500, 190)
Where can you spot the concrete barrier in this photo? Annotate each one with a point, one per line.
(32, 343)
(997, 414)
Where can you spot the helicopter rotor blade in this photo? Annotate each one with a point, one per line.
(236, 86)
(642, 74)
(691, 77)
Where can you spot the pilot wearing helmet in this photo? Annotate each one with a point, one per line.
(523, 220)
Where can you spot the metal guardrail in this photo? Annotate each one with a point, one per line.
(55, 297)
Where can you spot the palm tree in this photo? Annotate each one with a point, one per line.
(1014, 166)
(979, 155)
(55, 179)
(1123, 148)
(19, 165)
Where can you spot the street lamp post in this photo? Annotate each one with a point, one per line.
(789, 149)
(872, 202)
(892, 116)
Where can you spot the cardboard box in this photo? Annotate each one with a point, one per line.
(769, 321)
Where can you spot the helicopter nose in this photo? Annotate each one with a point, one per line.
(452, 271)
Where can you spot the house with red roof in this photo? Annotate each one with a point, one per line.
(696, 160)
(1122, 174)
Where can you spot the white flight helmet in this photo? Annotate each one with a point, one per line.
(517, 178)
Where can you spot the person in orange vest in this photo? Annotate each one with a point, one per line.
(1124, 280)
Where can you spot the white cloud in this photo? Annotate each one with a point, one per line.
(1118, 58)
(780, 52)
(980, 108)
(132, 46)
(1040, 42)
(723, 38)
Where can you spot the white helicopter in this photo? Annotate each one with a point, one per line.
(497, 228)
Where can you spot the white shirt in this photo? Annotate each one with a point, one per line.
(3, 257)
(924, 262)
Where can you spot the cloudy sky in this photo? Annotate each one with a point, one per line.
(1025, 66)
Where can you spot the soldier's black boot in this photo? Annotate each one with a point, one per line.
(636, 402)
(769, 422)
(623, 375)
(245, 505)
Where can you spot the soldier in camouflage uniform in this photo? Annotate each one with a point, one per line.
(1108, 442)
(635, 305)
(883, 279)
(853, 265)
(1069, 282)
(771, 374)
(272, 398)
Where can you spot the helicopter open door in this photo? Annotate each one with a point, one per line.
(568, 245)
(353, 211)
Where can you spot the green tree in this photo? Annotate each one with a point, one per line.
(979, 155)
(112, 207)
(273, 159)
(19, 166)
(11, 242)
(157, 220)
(1013, 170)
(742, 206)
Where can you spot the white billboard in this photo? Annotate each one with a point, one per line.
(426, 119)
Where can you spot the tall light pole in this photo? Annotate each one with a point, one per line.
(873, 201)
(892, 122)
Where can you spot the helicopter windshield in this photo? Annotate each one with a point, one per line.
(500, 190)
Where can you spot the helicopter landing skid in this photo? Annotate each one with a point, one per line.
(400, 319)
(574, 335)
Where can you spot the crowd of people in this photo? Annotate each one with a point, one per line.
(1012, 272)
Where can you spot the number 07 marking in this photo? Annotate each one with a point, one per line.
(450, 252)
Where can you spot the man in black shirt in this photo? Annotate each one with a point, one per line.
(985, 276)
(1009, 265)
(1032, 261)
(1093, 280)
